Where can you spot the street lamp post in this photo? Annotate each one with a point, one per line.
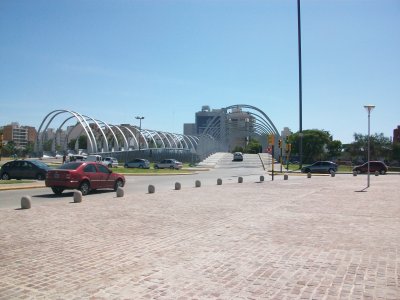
(300, 87)
(369, 108)
(140, 128)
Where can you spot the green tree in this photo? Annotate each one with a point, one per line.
(82, 142)
(238, 149)
(47, 145)
(9, 149)
(315, 144)
(71, 144)
(396, 151)
(334, 149)
(29, 148)
(253, 146)
(380, 147)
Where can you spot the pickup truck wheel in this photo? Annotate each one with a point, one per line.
(85, 188)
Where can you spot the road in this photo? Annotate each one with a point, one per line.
(250, 169)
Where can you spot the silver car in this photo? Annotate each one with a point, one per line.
(138, 163)
(168, 164)
(238, 156)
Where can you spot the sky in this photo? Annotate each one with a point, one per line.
(164, 59)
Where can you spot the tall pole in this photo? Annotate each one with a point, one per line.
(369, 108)
(369, 134)
(300, 87)
(140, 128)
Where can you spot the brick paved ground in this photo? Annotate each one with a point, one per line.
(303, 238)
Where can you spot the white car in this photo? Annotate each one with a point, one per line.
(110, 162)
(95, 158)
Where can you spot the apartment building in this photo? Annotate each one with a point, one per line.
(20, 135)
(396, 135)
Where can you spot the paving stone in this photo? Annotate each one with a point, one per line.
(297, 239)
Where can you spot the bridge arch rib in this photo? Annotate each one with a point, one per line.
(275, 131)
(77, 116)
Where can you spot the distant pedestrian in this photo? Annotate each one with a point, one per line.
(64, 158)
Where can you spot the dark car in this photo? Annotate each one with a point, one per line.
(24, 169)
(138, 163)
(320, 167)
(84, 176)
(238, 156)
(374, 166)
(168, 164)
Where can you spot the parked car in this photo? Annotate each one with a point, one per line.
(238, 156)
(76, 157)
(107, 161)
(374, 166)
(138, 163)
(24, 169)
(84, 176)
(168, 164)
(94, 158)
(320, 167)
(110, 162)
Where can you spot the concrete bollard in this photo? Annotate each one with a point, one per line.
(240, 179)
(177, 186)
(285, 177)
(151, 189)
(77, 196)
(376, 173)
(261, 178)
(26, 202)
(219, 181)
(120, 192)
(333, 174)
(354, 173)
(308, 175)
(197, 183)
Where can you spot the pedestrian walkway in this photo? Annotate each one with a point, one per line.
(302, 238)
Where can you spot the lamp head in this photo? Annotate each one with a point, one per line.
(369, 107)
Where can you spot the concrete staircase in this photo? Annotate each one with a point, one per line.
(213, 159)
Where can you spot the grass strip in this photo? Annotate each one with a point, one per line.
(14, 181)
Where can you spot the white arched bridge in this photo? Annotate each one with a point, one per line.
(104, 138)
